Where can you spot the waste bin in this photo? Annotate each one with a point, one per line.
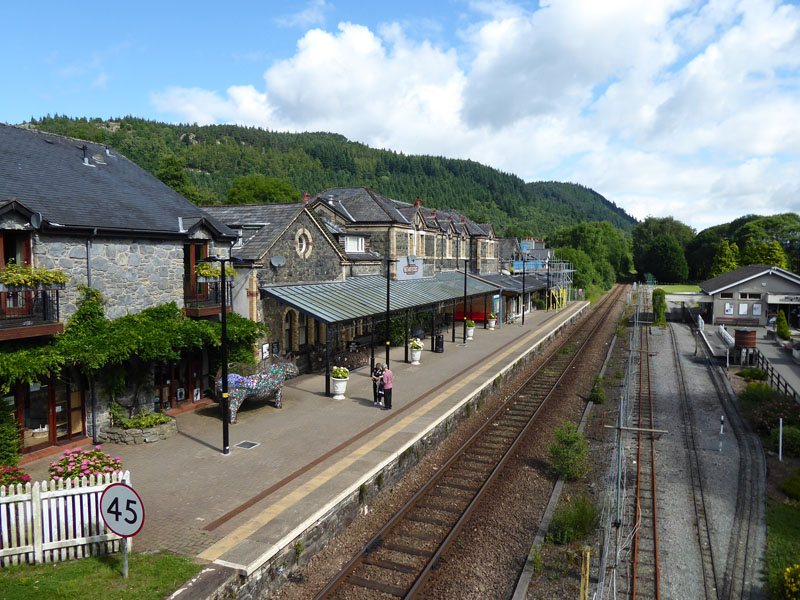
(438, 343)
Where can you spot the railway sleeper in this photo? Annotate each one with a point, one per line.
(376, 585)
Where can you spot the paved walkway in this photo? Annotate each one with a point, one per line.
(239, 509)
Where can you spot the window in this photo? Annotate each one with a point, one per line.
(756, 310)
(749, 296)
(726, 295)
(302, 329)
(239, 238)
(449, 244)
(353, 244)
(288, 330)
(303, 243)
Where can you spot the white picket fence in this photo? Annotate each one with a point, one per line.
(53, 521)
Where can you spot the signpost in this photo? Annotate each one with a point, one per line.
(123, 513)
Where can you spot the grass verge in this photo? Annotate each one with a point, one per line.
(783, 543)
(150, 577)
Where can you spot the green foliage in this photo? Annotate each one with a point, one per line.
(141, 420)
(574, 520)
(28, 276)
(151, 577)
(659, 300)
(726, 259)
(83, 463)
(569, 454)
(783, 546)
(791, 486)
(600, 241)
(13, 476)
(258, 189)
(598, 394)
(791, 440)
(340, 372)
(659, 247)
(764, 407)
(782, 326)
(538, 303)
(209, 159)
(752, 374)
(470, 323)
(9, 436)
(213, 270)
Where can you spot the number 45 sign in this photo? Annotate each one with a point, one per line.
(122, 510)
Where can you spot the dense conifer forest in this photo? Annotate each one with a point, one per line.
(203, 162)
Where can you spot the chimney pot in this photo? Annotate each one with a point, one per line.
(306, 197)
(418, 202)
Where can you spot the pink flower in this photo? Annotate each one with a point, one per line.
(60, 470)
(97, 447)
(66, 452)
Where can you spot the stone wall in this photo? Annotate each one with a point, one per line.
(131, 274)
(117, 435)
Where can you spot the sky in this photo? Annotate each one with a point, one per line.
(682, 108)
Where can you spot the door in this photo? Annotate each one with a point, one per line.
(15, 247)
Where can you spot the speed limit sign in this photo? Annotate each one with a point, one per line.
(122, 510)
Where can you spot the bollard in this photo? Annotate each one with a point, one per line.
(585, 562)
(721, 430)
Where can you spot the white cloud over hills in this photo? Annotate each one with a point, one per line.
(671, 107)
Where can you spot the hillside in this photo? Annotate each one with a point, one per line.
(213, 156)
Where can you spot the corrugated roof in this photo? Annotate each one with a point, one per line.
(360, 297)
(514, 284)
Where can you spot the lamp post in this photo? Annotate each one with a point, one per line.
(466, 261)
(523, 289)
(226, 449)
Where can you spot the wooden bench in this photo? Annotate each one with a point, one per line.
(736, 321)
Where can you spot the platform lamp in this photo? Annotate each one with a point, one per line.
(523, 289)
(466, 261)
(226, 449)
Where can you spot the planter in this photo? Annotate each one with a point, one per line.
(40, 287)
(415, 356)
(339, 387)
(470, 332)
(492, 323)
(117, 435)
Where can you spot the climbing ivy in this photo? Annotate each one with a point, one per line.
(92, 342)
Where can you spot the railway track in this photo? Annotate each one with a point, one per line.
(741, 571)
(645, 573)
(398, 560)
(703, 528)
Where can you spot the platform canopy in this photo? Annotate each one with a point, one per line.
(365, 296)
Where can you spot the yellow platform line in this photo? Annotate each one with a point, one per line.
(245, 530)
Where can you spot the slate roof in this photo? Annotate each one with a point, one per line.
(47, 174)
(509, 248)
(361, 205)
(743, 274)
(360, 297)
(272, 218)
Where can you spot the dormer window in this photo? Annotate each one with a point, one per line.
(239, 239)
(353, 243)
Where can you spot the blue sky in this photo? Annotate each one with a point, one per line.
(684, 108)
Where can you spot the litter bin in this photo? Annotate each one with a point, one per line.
(438, 343)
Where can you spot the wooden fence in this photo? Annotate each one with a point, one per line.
(54, 521)
(774, 378)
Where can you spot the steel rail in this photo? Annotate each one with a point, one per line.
(702, 525)
(444, 471)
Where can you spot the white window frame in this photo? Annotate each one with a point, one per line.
(353, 243)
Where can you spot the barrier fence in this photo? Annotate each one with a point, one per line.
(53, 521)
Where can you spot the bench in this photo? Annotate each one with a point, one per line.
(736, 321)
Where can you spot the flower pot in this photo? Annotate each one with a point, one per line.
(415, 356)
(492, 323)
(470, 332)
(339, 387)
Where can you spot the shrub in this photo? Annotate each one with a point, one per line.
(415, 344)
(141, 420)
(569, 454)
(752, 374)
(83, 463)
(12, 476)
(573, 521)
(9, 438)
(660, 306)
(791, 486)
(791, 440)
(598, 394)
(492, 316)
(765, 406)
(782, 326)
(470, 323)
(538, 303)
(787, 585)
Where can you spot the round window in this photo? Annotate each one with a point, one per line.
(303, 243)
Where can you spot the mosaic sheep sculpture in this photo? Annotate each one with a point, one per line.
(259, 386)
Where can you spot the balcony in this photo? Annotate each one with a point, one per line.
(203, 298)
(29, 313)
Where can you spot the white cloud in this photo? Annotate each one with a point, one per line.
(674, 107)
(311, 16)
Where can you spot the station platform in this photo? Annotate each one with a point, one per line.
(239, 510)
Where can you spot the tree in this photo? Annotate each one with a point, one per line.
(726, 259)
(773, 254)
(259, 189)
(665, 260)
(655, 232)
(782, 326)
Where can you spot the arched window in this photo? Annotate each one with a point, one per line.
(302, 330)
(288, 330)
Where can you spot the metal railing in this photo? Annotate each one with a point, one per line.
(25, 308)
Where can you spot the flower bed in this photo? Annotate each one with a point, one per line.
(147, 435)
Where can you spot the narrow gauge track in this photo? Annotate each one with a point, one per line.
(696, 474)
(399, 559)
(645, 575)
(741, 571)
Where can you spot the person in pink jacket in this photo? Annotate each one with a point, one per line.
(387, 387)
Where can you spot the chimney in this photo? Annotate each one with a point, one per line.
(433, 214)
(418, 203)
(463, 220)
(306, 197)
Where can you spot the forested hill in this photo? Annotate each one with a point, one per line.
(214, 156)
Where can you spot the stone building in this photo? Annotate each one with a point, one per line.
(86, 210)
